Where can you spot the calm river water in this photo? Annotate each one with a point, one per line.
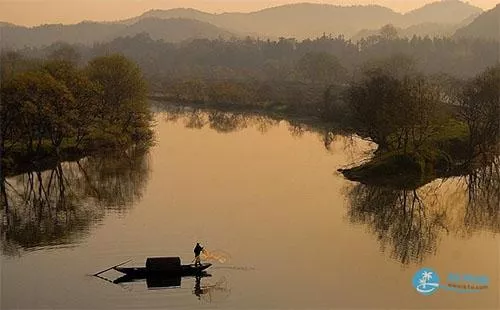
(264, 196)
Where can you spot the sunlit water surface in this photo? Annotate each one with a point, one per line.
(263, 193)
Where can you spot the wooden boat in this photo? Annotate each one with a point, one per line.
(163, 266)
(142, 272)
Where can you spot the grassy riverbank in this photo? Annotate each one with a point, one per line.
(446, 154)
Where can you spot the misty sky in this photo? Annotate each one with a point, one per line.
(35, 12)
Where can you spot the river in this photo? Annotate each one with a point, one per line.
(264, 196)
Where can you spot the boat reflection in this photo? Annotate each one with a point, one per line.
(159, 281)
(204, 290)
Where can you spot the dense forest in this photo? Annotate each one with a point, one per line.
(277, 59)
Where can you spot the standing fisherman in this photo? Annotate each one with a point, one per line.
(197, 250)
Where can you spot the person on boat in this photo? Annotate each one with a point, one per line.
(197, 251)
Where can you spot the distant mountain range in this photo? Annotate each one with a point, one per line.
(87, 33)
(441, 12)
(486, 26)
(295, 20)
(430, 29)
(437, 19)
(308, 20)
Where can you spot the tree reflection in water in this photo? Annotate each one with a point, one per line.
(399, 218)
(222, 122)
(483, 207)
(226, 122)
(58, 206)
(409, 223)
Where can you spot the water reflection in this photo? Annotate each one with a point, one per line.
(156, 281)
(483, 204)
(212, 292)
(204, 289)
(58, 206)
(226, 122)
(222, 122)
(409, 223)
(400, 220)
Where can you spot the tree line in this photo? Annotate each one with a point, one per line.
(430, 98)
(57, 108)
(271, 59)
(282, 74)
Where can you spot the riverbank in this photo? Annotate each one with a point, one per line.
(444, 155)
(19, 161)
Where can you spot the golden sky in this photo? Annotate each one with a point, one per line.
(35, 12)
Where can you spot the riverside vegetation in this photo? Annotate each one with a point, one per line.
(431, 105)
(53, 110)
(423, 129)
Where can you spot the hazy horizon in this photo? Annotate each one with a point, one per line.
(37, 12)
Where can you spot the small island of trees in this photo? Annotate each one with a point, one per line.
(424, 127)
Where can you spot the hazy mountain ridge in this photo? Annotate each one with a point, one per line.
(304, 20)
(14, 36)
(88, 33)
(174, 29)
(301, 21)
(187, 13)
(442, 12)
(486, 26)
(421, 30)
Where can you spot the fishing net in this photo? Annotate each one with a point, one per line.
(215, 256)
